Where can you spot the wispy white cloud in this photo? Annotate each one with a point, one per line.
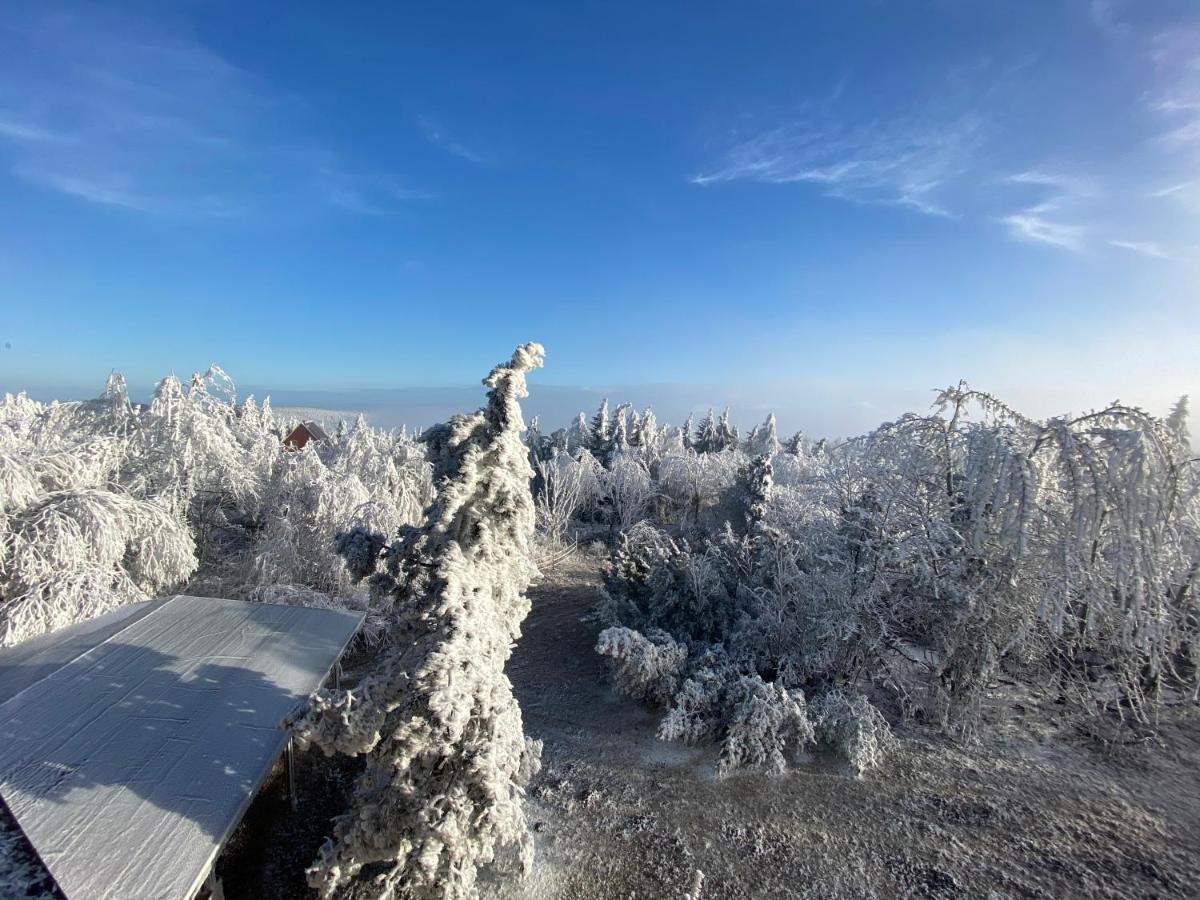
(367, 194)
(904, 163)
(971, 152)
(1073, 185)
(1049, 221)
(439, 137)
(1185, 135)
(1176, 56)
(109, 190)
(1175, 189)
(1076, 215)
(1035, 225)
(16, 130)
(125, 112)
(1146, 248)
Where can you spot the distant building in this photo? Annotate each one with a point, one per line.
(303, 433)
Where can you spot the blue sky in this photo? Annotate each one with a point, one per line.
(822, 208)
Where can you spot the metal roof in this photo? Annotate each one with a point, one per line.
(130, 749)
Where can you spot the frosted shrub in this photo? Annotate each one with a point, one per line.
(563, 485)
(697, 711)
(765, 722)
(359, 547)
(21, 872)
(657, 582)
(643, 666)
(757, 724)
(101, 528)
(392, 467)
(77, 554)
(446, 757)
(1060, 545)
(19, 484)
(700, 486)
(103, 502)
(628, 489)
(18, 417)
(913, 563)
(32, 608)
(307, 505)
(91, 463)
(853, 729)
(185, 443)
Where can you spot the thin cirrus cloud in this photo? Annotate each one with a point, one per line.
(128, 113)
(1035, 225)
(1175, 189)
(904, 163)
(1146, 248)
(1048, 221)
(1176, 56)
(435, 134)
(959, 159)
(23, 131)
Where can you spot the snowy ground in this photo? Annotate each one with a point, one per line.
(618, 813)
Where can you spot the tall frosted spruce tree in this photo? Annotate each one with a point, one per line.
(447, 758)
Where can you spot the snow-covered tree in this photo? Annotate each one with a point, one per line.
(727, 433)
(600, 433)
(763, 440)
(446, 758)
(628, 488)
(562, 486)
(1177, 422)
(620, 431)
(707, 439)
(579, 435)
(106, 503)
(76, 554)
(647, 438)
(686, 431)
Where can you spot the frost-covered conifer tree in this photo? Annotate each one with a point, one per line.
(752, 439)
(764, 439)
(1177, 422)
(727, 433)
(535, 440)
(446, 757)
(707, 438)
(620, 433)
(579, 435)
(635, 429)
(600, 441)
(648, 439)
(757, 478)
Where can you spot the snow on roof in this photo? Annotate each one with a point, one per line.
(317, 432)
(129, 751)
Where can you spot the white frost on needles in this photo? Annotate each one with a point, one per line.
(447, 758)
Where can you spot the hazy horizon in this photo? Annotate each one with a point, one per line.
(819, 408)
